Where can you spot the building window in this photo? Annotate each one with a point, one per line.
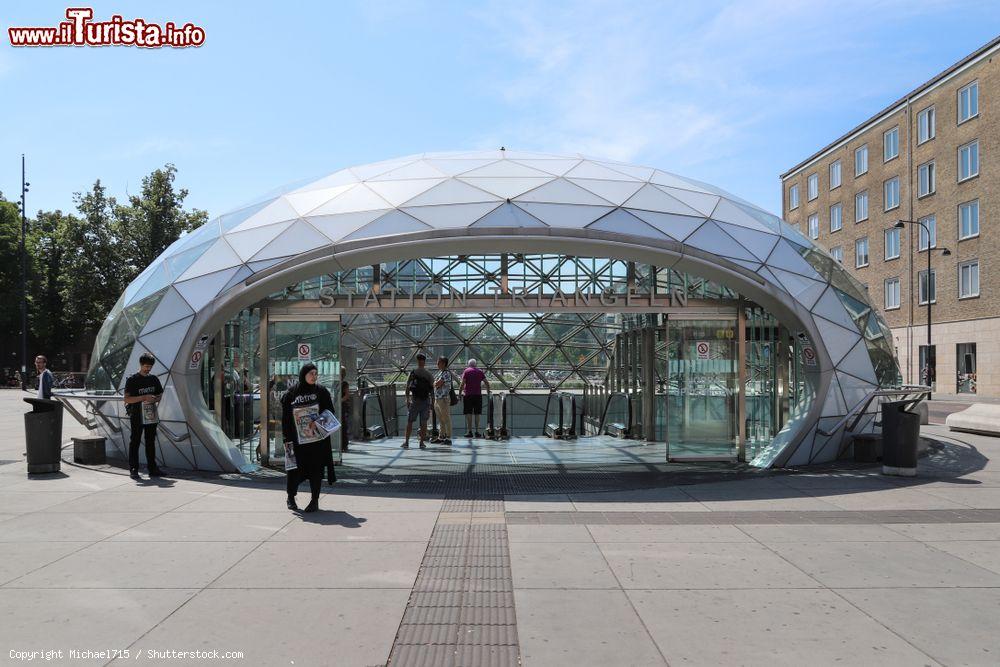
(968, 219)
(926, 120)
(891, 191)
(968, 279)
(814, 226)
(837, 252)
(836, 218)
(892, 243)
(965, 362)
(922, 238)
(793, 197)
(861, 253)
(968, 160)
(891, 293)
(968, 102)
(922, 293)
(926, 175)
(861, 160)
(812, 186)
(890, 144)
(861, 206)
(835, 175)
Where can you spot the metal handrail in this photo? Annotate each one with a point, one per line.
(855, 413)
(628, 413)
(492, 430)
(64, 396)
(560, 431)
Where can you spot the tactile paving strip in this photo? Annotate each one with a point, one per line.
(461, 610)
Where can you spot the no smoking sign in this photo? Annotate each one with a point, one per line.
(305, 351)
(702, 348)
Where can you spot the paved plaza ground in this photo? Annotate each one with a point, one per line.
(818, 567)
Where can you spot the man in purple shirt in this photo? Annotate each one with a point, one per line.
(473, 383)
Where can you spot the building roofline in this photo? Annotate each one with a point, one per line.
(925, 87)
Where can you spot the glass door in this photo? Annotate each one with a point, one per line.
(702, 389)
(292, 342)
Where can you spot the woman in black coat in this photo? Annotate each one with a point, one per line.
(299, 408)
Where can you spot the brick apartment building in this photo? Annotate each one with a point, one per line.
(932, 156)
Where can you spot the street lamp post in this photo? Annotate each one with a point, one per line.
(24, 279)
(931, 370)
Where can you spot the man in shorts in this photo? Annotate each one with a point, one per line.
(419, 388)
(473, 383)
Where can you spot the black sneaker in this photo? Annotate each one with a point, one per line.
(292, 505)
(405, 445)
(478, 434)
(435, 440)
(446, 442)
(155, 472)
(468, 434)
(134, 474)
(422, 445)
(313, 506)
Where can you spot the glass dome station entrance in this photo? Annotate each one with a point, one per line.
(602, 299)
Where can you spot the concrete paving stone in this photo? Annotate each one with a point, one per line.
(890, 499)
(70, 481)
(821, 533)
(116, 501)
(375, 526)
(544, 502)
(414, 655)
(19, 558)
(942, 532)
(63, 527)
(207, 527)
(271, 627)
(341, 500)
(948, 624)
(559, 565)
(979, 497)
(837, 481)
(668, 533)
(331, 565)
(792, 502)
(139, 564)
(581, 628)
(881, 564)
(983, 553)
(64, 619)
(22, 502)
(767, 628)
(241, 500)
(661, 499)
(701, 565)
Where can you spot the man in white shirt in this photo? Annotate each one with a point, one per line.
(44, 377)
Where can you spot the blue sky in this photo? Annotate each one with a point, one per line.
(730, 93)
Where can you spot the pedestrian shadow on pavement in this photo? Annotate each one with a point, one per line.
(334, 518)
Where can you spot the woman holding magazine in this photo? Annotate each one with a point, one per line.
(307, 422)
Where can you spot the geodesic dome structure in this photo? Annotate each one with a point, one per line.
(466, 202)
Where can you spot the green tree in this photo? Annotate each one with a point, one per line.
(153, 220)
(93, 259)
(10, 283)
(47, 249)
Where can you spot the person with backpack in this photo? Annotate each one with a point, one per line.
(419, 387)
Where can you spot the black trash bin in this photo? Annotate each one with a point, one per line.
(43, 435)
(900, 434)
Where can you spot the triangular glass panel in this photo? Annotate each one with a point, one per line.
(415, 170)
(760, 244)
(508, 215)
(615, 192)
(834, 405)
(451, 215)
(588, 169)
(219, 256)
(635, 171)
(299, 238)
(164, 343)
(565, 215)
(674, 181)
(157, 280)
(368, 171)
(453, 167)
(726, 211)
(859, 311)
(711, 239)
(263, 264)
(855, 390)
(623, 222)
(652, 198)
(201, 291)
(554, 167)
(358, 198)
(393, 222)
(675, 226)
(337, 178)
(180, 262)
(230, 220)
(505, 169)
(830, 307)
(452, 191)
(784, 257)
(882, 358)
(772, 222)
(561, 191)
(397, 192)
(805, 290)
(836, 339)
(242, 274)
(507, 188)
(170, 309)
(305, 202)
(140, 311)
(207, 232)
(248, 243)
(336, 227)
(277, 211)
(858, 363)
(700, 201)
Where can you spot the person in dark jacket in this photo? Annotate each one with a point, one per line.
(300, 407)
